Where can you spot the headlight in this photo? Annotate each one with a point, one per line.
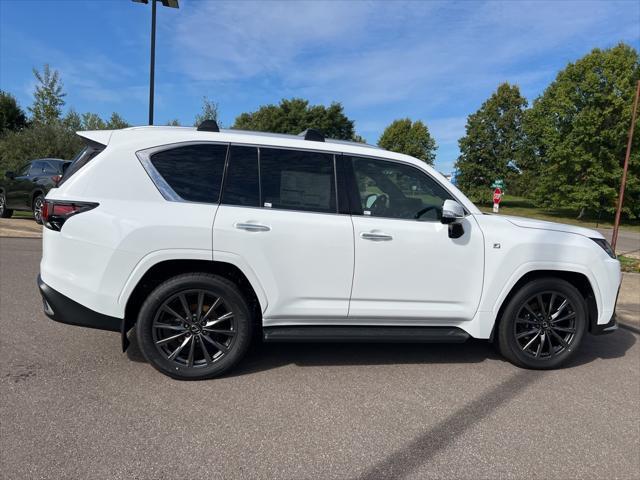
(605, 246)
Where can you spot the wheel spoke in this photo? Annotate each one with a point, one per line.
(192, 347)
(168, 339)
(553, 298)
(226, 316)
(166, 326)
(551, 350)
(172, 312)
(539, 349)
(200, 302)
(566, 317)
(562, 306)
(531, 341)
(212, 308)
(185, 305)
(541, 305)
(563, 329)
(560, 339)
(218, 345)
(525, 334)
(203, 347)
(524, 320)
(179, 349)
(230, 333)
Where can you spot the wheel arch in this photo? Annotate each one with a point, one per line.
(165, 269)
(35, 193)
(577, 279)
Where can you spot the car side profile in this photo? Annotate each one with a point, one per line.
(26, 188)
(203, 239)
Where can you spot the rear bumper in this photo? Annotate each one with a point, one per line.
(62, 309)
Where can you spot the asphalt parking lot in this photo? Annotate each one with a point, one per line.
(74, 406)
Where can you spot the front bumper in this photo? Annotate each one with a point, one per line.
(62, 309)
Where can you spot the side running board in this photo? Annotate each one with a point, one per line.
(363, 334)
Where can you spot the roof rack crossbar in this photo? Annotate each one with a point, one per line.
(313, 135)
(209, 126)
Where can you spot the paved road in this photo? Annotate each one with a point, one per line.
(73, 406)
(628, 241)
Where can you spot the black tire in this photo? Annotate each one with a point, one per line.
(4, 211)
(156, 325)
(543, 334)
(36, 206)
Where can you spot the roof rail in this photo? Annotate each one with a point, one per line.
(313, 135)
(209, 126)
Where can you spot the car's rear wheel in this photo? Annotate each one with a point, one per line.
(38, 203)
(543, 324)
(4, 211)
(194, 326)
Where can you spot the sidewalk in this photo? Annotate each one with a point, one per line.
(628, 307)
(20, 227)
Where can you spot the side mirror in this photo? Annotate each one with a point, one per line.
(10, 175)
(452, 212)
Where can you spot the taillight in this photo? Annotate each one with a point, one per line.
(55, 179)
(56, 212)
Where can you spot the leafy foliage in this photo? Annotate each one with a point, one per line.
(296, 115)
(494, 143)
(410, 138)
(48, 98)
(11, 115)
(578, 131)
(209, 112)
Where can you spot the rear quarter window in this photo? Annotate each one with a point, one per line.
(193, 172)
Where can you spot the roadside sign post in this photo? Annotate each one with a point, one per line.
(497, 196)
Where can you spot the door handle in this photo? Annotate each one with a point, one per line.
(376, 236)
(252, 227)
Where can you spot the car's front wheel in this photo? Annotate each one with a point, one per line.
(543, 324)
(4, 211)
(194, 326)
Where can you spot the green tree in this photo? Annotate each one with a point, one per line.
(410, 138)
(209, 112)
(296, 115)
(92, 121)
(493, 144)
(578, 131)
(116, 122)
(11, 115)
(48, 97)
(72, 121)
(173, 123)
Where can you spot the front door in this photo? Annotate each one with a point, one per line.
(407, 268)
(279, 215)
(19, 188)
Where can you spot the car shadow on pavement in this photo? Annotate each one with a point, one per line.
(267, 356)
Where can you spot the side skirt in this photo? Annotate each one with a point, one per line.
(335, 333)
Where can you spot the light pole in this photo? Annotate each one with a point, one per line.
(152, 63)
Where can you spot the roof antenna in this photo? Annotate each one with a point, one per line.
(208, 126)
(313, 135)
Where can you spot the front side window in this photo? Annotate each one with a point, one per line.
(194, 172)
(23, 171)
(297, 180)
(393, 190)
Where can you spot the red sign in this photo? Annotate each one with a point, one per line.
(497, 195)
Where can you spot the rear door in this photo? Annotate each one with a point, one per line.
(279, 217)
(407, 268)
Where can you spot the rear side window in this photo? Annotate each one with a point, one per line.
(87, 154)
(242, 186)
(194, 172)
(297, 180)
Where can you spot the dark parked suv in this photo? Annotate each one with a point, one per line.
(26, 188)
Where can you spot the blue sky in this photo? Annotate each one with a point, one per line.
(433, 61)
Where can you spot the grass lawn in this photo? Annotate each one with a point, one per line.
(523, 207)
(628, 264)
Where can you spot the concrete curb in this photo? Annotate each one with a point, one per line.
(631, 328)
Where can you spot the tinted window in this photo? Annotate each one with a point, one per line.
(393, 190)
(194, 172)
(52, 168)
(24, 170)
(85, 155)
(37, 167)
(297, 180)
(241, 186)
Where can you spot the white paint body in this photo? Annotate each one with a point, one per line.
(309, 268)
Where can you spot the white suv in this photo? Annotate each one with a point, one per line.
(204, 238)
